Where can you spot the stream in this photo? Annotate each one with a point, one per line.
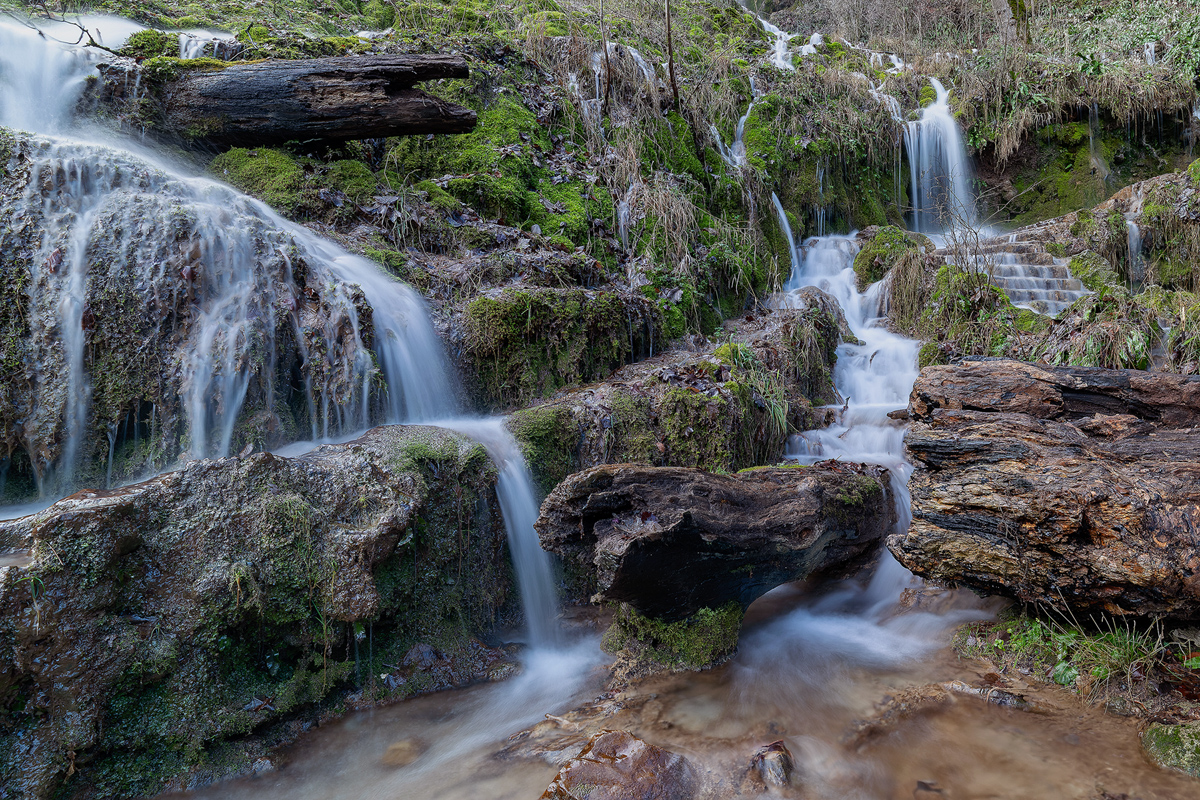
(812, 659)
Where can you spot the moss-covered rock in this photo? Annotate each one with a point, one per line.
(722, 410)
(274, 176)
(703, 640)
(1174, 746)
(880, 253)
(212, 606)
(150, 44)
(529, 342)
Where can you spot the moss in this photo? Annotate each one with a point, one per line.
(354, 178)
(930, 355)
(163, 69)
(703, 640)
(1193, 172)
(528, 343)
(273, 176)
(880, 254)
(1093, 271)
(1174, 746)
(548, 436)
(551, 23)
(438, 197)
(150, 44)
(381, 15)
(1084, 223)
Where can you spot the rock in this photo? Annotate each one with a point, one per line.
(1067, 487)
(615, 765)
(185, 611)
(718, 406)
(403, 752)
(670, 541)
(1174, 746)
(774, 764)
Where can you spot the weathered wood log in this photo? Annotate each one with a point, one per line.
(338, 99)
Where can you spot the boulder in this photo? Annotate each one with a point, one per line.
(225, 605)
(670, 541)
(616, 765)
(1068, 487)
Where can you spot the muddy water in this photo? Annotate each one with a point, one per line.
(810, 666)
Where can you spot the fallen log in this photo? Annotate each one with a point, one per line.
(270, 102)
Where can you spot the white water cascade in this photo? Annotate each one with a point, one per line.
(520, 505)
(217, 271)
(940, 173)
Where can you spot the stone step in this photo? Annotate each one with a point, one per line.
(1059, 271)
(1055, 284)
(1029, 295)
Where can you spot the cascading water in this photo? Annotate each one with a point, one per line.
(520, 505)
(217, 274)
(940, 173)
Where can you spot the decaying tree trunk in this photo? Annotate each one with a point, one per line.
(269, 102)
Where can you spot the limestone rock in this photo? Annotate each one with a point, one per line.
(191, 609)
(670, 541)
(1174, 746)
(1067, 487)
(616, 765)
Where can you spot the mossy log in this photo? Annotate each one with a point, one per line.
(271, 102)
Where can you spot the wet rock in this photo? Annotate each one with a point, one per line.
(672, 541)
(718, 406)
(403, 752)
(1067, 487)
(1174, 746)
(615, 765)
(773, 764)
(264, 568)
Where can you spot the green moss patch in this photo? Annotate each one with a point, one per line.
(703, 640)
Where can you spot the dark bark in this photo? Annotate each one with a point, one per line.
(334, 99)
(1065, 487)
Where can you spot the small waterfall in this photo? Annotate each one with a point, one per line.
(211, 279)
(1150, 53)
(735, 154)
(520, 505)
(941, 174)
(786, 227)
(1137, 267)
(814, 41)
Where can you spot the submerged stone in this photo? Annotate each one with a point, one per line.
(616, 765)
(1174, 746)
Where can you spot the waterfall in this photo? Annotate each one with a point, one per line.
(1137, 268)
(786, 227)
(520, 505)
(941, 195)
(216, 274)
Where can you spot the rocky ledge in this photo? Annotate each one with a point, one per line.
(687, 551)
(1071, 488)
(203, 616)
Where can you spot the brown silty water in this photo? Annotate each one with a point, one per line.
(852, 681)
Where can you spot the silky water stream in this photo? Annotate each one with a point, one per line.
(812, 659)
(812, 662)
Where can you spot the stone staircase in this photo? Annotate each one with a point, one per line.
(1026, 272)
